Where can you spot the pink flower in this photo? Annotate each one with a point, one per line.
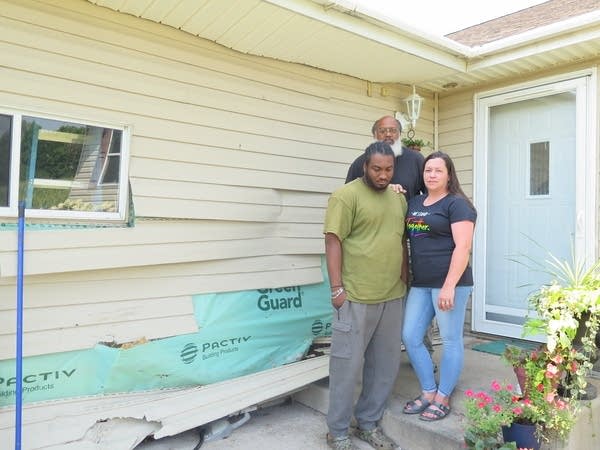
(527, 402)
(469, 393)
(518, 411)
(561, 404)
(497, 408)
(550, 397)
(496, 386)
(557, 359)
(509, 387)
(551, 371)
(481, 405)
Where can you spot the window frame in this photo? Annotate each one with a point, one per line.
(529, 168)
(64, 215)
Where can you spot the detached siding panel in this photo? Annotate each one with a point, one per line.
(232, 159)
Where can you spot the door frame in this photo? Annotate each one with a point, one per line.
(586, 134)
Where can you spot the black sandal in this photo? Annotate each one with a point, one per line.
(437, 410)
(413, 407)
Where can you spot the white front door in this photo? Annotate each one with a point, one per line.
(534, 165)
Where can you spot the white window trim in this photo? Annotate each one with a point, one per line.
(58, 215)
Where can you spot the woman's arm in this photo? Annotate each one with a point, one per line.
(462, 233)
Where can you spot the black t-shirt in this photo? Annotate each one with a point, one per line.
(408, 171)
(431, 242)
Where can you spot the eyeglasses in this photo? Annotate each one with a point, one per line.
(391, 130)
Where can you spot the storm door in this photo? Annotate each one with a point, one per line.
(534, 190)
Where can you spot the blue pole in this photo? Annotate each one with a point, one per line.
(19, 359)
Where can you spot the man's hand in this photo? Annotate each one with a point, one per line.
(397, 188)
(338, 297)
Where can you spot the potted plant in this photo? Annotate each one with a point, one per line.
(552, 377)
(568, 314)
(486, 414)
(539, 373)
(415, 144)
(504, 418)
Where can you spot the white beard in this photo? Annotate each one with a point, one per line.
(397, 148)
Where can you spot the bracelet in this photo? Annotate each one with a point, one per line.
(335, 294)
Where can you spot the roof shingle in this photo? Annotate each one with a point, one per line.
(526, 19)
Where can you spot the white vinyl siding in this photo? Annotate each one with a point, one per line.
(232, 159)
(456, 135)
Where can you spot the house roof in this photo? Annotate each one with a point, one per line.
(537, 16)
(343, 37)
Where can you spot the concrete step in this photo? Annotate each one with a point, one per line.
(480, 369)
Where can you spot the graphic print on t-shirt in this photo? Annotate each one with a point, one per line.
(416, 226)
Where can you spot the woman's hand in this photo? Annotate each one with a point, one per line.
(446, 299)
(397, 188)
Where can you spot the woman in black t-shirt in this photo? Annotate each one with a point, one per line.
(440, 227)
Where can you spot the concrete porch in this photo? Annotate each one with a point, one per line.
(480, 369)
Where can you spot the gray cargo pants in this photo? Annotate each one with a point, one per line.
(372, 332)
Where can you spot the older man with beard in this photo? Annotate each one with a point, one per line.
(365, 249)
(408, 170)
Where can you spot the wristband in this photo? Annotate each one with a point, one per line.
(335, 294)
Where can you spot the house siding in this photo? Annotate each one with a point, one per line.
(232, 159)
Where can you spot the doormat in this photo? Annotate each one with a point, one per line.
(498, 347)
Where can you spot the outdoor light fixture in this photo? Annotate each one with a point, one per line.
(413, 110)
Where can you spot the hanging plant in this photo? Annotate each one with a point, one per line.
(415, 143)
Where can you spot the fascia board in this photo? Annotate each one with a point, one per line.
(532, 49)
(398, 39)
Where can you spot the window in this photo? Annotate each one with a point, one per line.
(65, 169)
(5, 139)
(539, 168)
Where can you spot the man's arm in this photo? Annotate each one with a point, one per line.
(355, 170)
(333, 256)
(420, 182)
(404, 274)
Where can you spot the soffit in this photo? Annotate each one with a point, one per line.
(329, 36)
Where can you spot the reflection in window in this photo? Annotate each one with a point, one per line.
(59, 165)
(5, 141)
(539, 168)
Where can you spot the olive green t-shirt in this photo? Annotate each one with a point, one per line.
(370, 226)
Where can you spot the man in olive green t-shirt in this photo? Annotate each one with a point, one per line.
(367, 266)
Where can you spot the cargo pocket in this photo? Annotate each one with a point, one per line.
(341, 346)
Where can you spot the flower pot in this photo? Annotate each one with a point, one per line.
(523, 434)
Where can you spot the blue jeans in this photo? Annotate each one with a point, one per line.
(421, 308)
